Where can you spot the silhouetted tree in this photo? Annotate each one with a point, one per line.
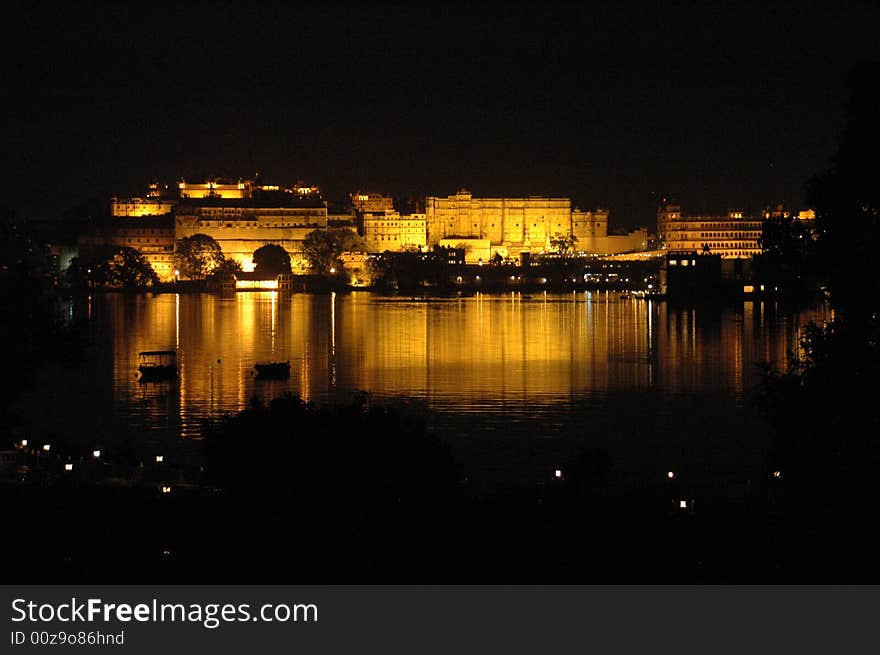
(113, 267)
(228, 267)
(197, 256)
(787, 251)
(847, 202)
(823, 405)
(324, 248)
(563, 243)
(271, 259)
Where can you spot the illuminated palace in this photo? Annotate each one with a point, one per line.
(512, 226)
(243, 217)
(733, 236)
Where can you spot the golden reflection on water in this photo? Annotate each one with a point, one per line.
(506, 351)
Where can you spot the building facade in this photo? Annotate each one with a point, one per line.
(512, 226)
(152, 236)
(732, 236)
(371, 202)
(136, 207)
(389, 230)
(241, 227)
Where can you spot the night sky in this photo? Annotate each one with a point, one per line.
(725, 106)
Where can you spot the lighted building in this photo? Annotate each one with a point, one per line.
(807, 215)
(512, 226)
(134, 207)
(591, 231)
(732, 236)
(371, 202)
(389, 230)
(153, 237)
(216, 189)
(241, 227)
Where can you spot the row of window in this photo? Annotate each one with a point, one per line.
(244, 224)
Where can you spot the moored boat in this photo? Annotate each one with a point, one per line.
(157, 365)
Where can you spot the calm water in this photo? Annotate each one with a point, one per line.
(517, 385)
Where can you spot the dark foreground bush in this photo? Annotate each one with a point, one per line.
(357, 457)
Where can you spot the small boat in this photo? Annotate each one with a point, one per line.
(157, 365)
(273, 370)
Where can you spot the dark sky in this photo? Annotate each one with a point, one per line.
(717, 105)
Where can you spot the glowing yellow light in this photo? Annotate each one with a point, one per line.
(670, 474)
(332, 269)
(46, 447)
(777, 474)
(557, 473)
(96, 453)
(166, 489)
(160, 459)
(68, 467)
(24, 442)
(256, 284)
(683, 504)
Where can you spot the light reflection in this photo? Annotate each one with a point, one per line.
(470, 351)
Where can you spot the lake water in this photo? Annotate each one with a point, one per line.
(517, 385)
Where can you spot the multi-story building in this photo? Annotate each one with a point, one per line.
(220, 189)
(134, 207)
(241, 226)
(158, 202)
(512, 226)
(371, 202)
(389, 230)
(732, 236)
(152, 236)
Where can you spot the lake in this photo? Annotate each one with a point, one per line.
(517, 385)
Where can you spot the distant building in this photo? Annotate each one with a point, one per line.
(158, 202)
(241, 189)
(216, 189)
(152, 236)
(732, 236)
(241, 226)
(371, 202)
(389, 230)
(512, 226)
(135, 207)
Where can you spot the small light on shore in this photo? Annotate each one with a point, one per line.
(68, 467)
(670, 475)
(777, 474)
(23, 443)
(683, 504)
(166, 489)
(96, 453)
(46, 447)
(557, 474)
(160, 459)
